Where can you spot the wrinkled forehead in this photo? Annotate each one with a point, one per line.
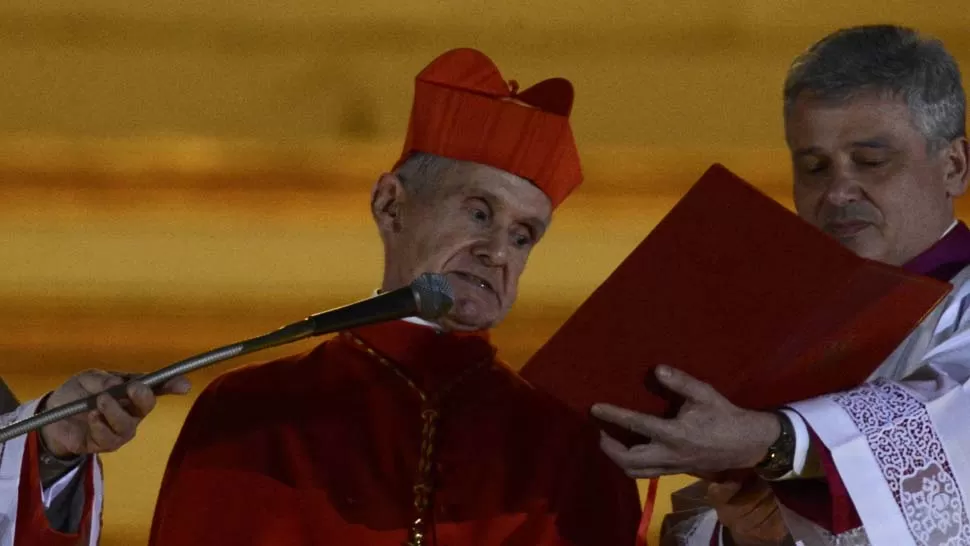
(506, 189)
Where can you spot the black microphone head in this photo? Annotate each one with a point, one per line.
(433, 294)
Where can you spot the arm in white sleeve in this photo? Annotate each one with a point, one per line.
(803, 444)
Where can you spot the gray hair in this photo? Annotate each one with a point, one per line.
(421, 170)
(887, 59)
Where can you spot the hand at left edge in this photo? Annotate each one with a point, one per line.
(109, 427)
(708, 435)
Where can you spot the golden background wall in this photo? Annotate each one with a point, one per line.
(176, 176)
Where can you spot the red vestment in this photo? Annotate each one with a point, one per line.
(33, 527)
(324, 448)
(24, 519)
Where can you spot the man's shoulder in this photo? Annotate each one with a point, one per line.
(277, 378)
(255, 397)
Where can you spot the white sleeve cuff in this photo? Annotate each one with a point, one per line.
(802, 444)
(49, 494)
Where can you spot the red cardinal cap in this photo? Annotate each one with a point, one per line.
(464, 109)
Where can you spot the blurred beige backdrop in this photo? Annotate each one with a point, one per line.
(175, 176)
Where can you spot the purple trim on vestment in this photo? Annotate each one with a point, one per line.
(946, 258)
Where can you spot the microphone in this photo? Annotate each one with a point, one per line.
(428, 297)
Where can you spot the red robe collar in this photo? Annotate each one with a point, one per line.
(430, 358)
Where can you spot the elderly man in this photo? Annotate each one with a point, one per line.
(875, 120)
(50, 485)
(410, 432)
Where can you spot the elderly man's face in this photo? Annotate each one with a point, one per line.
(864, 174)
(475, 224)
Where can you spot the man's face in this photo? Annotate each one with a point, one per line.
(864, 174)
(475, 224)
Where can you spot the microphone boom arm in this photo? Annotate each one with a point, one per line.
(429, 296)
(287, 334)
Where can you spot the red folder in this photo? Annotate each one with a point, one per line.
(736, 290)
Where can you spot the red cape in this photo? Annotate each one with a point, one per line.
(323, 448)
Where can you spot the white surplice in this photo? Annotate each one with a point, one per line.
(900, 442)
(12, 454)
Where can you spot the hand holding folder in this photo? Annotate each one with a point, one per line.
(737, 291)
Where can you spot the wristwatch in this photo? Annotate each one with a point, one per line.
(781, 454)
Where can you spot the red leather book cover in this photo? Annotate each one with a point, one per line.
(738, 291)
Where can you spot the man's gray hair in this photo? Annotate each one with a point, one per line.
(887, 59)
(420, 171)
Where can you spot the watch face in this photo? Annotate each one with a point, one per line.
(779, 459)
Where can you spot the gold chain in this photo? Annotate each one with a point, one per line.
(424, 487)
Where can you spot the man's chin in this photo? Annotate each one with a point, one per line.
(869, 252)
(466, 324)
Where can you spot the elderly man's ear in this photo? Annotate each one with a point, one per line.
(387, 200)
